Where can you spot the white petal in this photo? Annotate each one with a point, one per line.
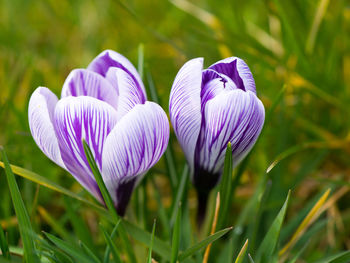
(78, 118)
(234, 116)
(40, 113)
(185, 106)
(110, 58)
(129, 92)
(83, 82)
(134, 145)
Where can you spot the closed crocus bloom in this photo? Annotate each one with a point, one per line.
(210, 108)
(105, 105)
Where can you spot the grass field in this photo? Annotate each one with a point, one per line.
(299, 54)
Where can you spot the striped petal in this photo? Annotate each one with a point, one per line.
(82, 82)
(185, 106)
(129, 93)
(233, 116)
(134, 145)
(110, 58)
(238, 71)
(78, 118)
(40, 114)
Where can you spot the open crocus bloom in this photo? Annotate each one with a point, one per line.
(105, 105)
(210, 108)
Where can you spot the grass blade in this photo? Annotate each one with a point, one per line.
(88, 251)
(159, 246)
(149, 260)
(108, 201)
(179, 194)
(47, 183)
(25, 227)
(225, 186)
(111, 245)
(140, 61)
(202, 244)
(69, 249)
(4, 244)
(306, 222)
(270, 241)
(242, 253)
(98, 177)
(175, 243)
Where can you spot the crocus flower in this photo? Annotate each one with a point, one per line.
(105, 105)
(210, 108)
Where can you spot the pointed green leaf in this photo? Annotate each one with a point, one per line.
(111, 245)
(225, 186)
(202, 244)
(4, 244)
(159, 246)
(140, 61)
(88, 252)
(25, 227)
(176, 236)
(150, 247)
(70, 249)
(269, 243)
(242, 253)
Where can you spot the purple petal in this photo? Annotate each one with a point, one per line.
(40, 113)
(238, 71)
(110, 58)
(129, 93)
(185, 106)
(234, 116)
(78, 118)
(134, 145)
(214, 83)
(82, 82)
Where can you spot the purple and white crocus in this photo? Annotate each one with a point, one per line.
(210, 108)
(105, 105)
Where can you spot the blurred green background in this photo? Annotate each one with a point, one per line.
(297, 50)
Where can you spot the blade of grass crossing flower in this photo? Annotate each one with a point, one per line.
(306, 222)
(88, 251)
(47, 183)
(4, 246)
(169, 157)
(98, 177)
(70, 249)
(242, 253)
(202, 244)
(269, 243)
(179, 194)
(111, 245)
(176, 236)
(225, 186)
(25, 227)
(109, 202)
(150, 247)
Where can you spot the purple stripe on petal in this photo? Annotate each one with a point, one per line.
(110, 58)
(134, 145)
(78, 118)
(234, 116)
(129, 93)
(212, 84)
(238, 71)
(82, 82)
(185, 106)
(40, 114)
